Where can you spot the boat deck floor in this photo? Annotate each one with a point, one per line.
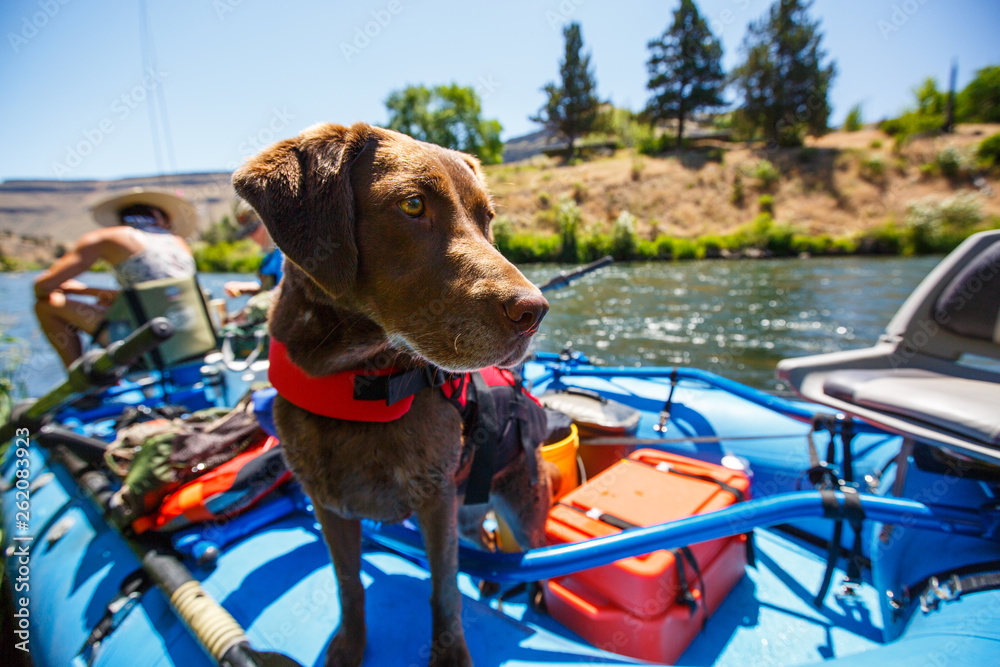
(288, 603)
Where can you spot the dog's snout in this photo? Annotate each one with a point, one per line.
(525, 311)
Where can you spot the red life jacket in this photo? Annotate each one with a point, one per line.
(500, 418)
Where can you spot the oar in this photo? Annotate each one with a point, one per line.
(214, 628)
(565, 277)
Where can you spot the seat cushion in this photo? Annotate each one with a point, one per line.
(970, 408)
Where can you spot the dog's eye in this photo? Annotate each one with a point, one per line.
(412, 206)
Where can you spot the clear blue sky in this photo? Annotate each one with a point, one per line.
(233, 73)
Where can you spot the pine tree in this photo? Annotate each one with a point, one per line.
(783, 80)
(685, 69)
(572, 107)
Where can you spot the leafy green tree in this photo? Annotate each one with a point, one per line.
(980, 100)
(685, 69)
(572, 105)
(450, 116)
(853, 122)
(930, 100)
(783, 81)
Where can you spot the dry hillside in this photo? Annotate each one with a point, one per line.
(833, 185)
(838, 184)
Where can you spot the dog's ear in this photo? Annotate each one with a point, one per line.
(301, 188)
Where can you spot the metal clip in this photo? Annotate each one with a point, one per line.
(664, 422)
(848, 589)
(950, 590)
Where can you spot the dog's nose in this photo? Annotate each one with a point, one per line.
(525, 311)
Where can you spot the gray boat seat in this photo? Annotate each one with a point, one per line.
(934, 375)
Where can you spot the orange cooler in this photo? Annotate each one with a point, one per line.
(636, 606)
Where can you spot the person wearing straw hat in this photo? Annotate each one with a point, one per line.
(268, 275)
(142, 238)
(270, 271)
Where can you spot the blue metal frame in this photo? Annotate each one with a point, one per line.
(559, 368)
(564, 559)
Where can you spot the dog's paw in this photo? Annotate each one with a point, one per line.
(454, 655)
(344, 651)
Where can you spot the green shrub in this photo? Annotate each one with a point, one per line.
(638, 165)
(766, 173)
(684, 249)
(853, 122)
(989, 150)
(568, 221)
(580, 192)
(623, 237)
(807, 155)
(886, 239)
(710, 247)
(813, 245)
(912, 123)
(766, 203)
(653, 145)
(647, 250)
(876, 143)
(664, 247)
(952, 162)
(843, 246)
(790, 136)
(527, 248)
(544, 199)
(872, 169)
(595, 246)
(939, 226)
(227, 257)
(503, 230)
(738, 195)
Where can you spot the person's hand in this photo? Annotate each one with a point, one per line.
(72, 286)
(233, 288)
(105, 296)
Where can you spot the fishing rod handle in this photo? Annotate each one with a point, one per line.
(144, 339)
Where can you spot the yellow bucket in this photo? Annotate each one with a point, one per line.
(563, 454)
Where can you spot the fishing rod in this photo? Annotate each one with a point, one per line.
(96, 369)
(565, 277)
(212, 626)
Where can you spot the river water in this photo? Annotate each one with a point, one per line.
(736, 318)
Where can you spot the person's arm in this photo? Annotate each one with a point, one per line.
(236, 288)
(88, 249)
(74, 286)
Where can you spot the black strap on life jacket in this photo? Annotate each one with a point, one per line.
(482, 428)
(393, 388)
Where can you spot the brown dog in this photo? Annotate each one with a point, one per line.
(391, 264)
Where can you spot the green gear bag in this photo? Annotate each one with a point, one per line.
(154, 458)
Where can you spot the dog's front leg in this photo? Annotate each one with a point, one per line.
(343, 539)
(438, 523)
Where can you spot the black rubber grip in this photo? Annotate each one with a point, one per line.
(141, 341)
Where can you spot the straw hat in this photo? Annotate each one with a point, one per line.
(182, 215)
